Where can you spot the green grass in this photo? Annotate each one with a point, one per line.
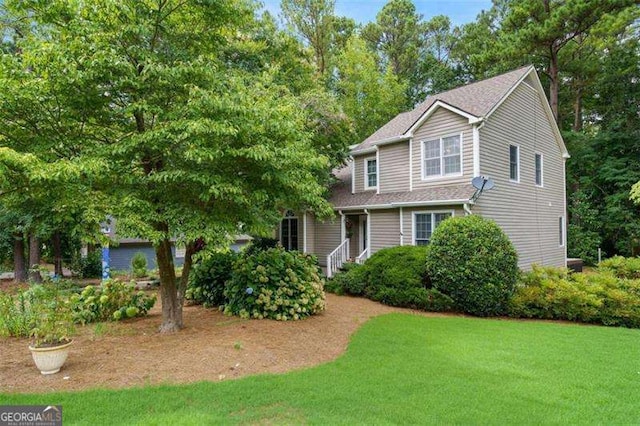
(408, 369)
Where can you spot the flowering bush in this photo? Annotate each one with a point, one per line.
(277, 284)
(113, 300)
(208, 277)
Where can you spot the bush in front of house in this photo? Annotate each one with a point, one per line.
(258, 244)
(88, 267)
(276, 284)
(208, 277)
(555, 293)
(351, 279)
(622, 267)
(139, 265)
(395, 276)
(112, 300)
(471, 260)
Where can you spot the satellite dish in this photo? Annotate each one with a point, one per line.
(478, 182)
(481, 183)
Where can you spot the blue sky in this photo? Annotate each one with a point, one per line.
(363, 11)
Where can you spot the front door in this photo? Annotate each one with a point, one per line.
(289, 232)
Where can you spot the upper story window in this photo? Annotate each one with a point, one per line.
(442, 157)
(424, 223)
(538, 166)
(514, 163)
(370, 173)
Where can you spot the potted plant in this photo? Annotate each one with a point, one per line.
(51, 333)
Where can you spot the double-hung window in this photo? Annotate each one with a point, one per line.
(514, 163)
(371, 173)
(442, 157)
(424, 224)
(538, 165)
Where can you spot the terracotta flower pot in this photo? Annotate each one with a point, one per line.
(49, 360)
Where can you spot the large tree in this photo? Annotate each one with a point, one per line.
(368, 96)
(191, 144)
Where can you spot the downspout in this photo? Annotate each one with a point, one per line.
(401, 228)
(368, 232)
(467, 209)
(353, 175)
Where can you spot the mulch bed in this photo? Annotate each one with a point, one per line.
(211, 347)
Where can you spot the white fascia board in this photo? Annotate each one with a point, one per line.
(387, 141)
(405, 204)
(433, 108)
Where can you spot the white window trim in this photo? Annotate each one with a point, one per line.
(541, 185)
(432, 213)
(563, 230)
(518, 163)
(366, 173)
(442, 175)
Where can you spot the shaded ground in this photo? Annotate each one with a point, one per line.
(211, 347)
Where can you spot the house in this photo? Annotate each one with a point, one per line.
(416, 171)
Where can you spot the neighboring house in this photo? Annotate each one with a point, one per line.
(123, 249)
(416, 171)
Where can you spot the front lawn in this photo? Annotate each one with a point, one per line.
(403, 368)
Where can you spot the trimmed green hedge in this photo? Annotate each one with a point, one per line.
(395, 276)
(471, 260)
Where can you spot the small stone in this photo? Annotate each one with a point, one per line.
(66, 378)
(221, 377)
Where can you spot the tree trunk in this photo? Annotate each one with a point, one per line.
(171, 307)
(577, 109)
(19, 260)
(56, 243)
(34, 258)
(553, 86)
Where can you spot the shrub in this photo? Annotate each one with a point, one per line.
(583, 244)
(113, 300)
(139, 265)
(351, 280)
(88, 267)
(554, 293)
(208, 277)
(258, 244)
(39, 311)
(276, 284)
(471, 260)
(395, 276)
(622, 267)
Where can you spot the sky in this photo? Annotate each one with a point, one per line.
(363, 11)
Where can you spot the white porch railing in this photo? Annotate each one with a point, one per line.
(363, 256)
(336, 258)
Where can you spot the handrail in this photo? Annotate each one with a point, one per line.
(337, 257)
(363, 256)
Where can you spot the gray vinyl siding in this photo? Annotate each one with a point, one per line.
(442, 123)
(527, 213)
(120, 256)
(394, 167)
(385, 228)
(359, 164)
(327, 238)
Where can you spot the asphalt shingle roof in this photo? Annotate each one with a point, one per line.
(342, 198)
(476, 99)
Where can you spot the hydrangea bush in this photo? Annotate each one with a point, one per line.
(276, 284)
(113, 300)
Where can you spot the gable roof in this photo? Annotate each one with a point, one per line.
(475, 101)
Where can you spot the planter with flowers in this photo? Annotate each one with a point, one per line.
(51, 333)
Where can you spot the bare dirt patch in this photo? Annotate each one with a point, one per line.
(211, 347)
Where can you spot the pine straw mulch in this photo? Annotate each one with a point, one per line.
(211, 347)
